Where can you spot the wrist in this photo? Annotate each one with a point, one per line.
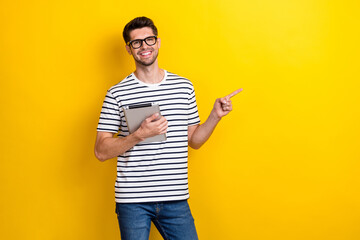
(214, 116)
(138, 136)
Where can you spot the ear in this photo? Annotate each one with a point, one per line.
(128, 49)
(159, 42)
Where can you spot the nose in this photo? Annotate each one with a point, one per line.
(144, 45)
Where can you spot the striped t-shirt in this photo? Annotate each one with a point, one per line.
(156, 171)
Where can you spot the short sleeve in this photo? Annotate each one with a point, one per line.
(109, 120)
(193, 115)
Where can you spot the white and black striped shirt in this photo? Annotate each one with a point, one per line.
(156, 171)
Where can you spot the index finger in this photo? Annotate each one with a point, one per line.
(234, 93)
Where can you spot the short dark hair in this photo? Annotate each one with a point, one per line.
(136, 23)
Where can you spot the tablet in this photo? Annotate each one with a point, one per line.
(136, 114)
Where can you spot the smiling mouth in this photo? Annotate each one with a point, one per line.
(145, 53)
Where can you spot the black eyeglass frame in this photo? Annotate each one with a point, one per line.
(141, 42)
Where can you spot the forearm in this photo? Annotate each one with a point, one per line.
(107, 147)
(204, 131)
(110, 147)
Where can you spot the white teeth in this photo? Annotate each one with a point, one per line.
(144, 54)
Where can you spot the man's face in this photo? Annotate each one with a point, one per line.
(145, 55)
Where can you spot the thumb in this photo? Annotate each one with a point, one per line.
(153, 117)
(223, 100)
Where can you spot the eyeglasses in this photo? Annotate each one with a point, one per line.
(137, 43)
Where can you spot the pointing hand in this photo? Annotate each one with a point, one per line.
(223, 106)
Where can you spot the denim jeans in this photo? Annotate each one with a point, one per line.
(173, 219)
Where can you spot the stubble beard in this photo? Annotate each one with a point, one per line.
(147, 63)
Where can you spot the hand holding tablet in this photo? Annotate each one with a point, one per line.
(147, 119)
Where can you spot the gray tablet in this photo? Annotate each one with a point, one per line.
(136, 114)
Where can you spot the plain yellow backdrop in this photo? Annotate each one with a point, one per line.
(284, 165)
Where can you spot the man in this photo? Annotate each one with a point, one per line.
(152, 183)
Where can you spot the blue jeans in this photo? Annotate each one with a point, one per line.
(173, 219)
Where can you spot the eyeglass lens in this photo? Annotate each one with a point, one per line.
(137, 43)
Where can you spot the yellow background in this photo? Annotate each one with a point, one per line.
(283, 165)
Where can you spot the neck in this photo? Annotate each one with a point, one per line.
(149, 74)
